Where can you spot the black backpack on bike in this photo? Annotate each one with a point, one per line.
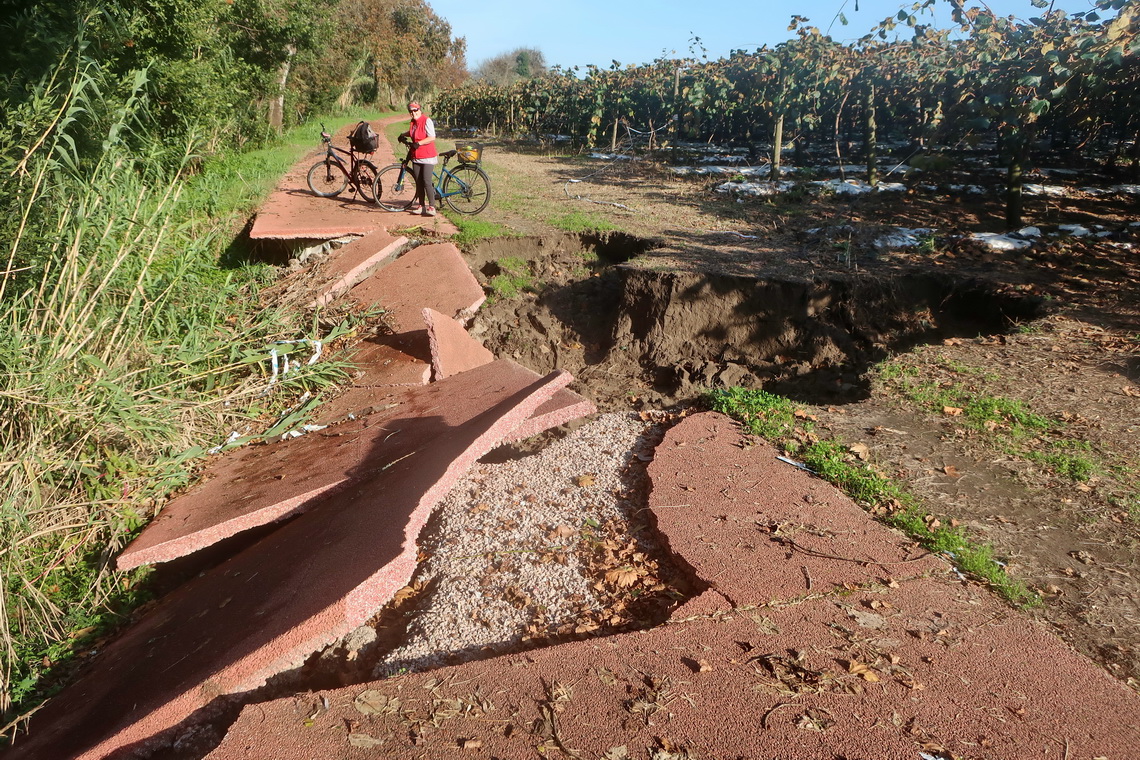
(363, 139)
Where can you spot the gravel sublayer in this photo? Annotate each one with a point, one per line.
(502, 551)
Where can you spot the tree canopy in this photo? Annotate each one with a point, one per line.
(507, 68)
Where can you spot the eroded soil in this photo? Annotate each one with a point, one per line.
(793, 296)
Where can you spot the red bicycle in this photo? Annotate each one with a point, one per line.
(331, 175)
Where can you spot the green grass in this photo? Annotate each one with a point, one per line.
(513, 278)
(581, 221)
(1010, 424)
(779, 421)
(472, 230)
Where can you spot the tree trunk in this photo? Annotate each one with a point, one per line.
(838, 151)
(777, 148)
(871, 132)
(1136, 156)
(1017, 143)
(799, 144)
(277, 102)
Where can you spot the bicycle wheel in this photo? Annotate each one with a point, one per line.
(467, 189)
(395, 189)
(366, 180)
(327, 179)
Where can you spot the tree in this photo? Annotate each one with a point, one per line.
(507, 68)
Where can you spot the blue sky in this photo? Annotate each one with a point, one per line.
(581, 32)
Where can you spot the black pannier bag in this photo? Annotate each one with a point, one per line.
(363, 139)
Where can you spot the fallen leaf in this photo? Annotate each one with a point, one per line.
(364, 740)
(952, 471)
(952, 411)
(582, 481)
(562, 531)
(952, 342)
(862, 670)
(375, 702)
(860, 450)
(401, 596)
(867, 619)
(470, 744)
(616, 753)
(623, 577)
(703, 666)
(990, 425)
(1130, 391)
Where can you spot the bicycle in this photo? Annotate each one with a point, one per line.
(466, 188)
(330, 176)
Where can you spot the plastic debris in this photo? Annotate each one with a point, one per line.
(794, 463)
(997, 242)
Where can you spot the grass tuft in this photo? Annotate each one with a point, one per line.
(580, 221)
(513, 278)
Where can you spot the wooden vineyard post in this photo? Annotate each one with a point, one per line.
(871, 137)
(777, 148)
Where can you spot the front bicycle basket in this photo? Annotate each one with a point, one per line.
(469, 153)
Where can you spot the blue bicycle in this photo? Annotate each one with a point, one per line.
(466, 189)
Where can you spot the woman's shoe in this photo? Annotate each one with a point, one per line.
(429, 211)
(415, 208)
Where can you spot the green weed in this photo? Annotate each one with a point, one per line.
(1074, 467)
(514, 277)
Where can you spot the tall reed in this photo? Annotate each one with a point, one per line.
(123, 346)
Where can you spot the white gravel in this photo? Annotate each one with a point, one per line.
(500, 562)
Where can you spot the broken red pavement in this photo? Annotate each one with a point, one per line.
(875, 651)
(430, 276)
(352, 262)
(453, 350)
(302, 587)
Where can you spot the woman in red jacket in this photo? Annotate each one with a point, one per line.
(421, 139)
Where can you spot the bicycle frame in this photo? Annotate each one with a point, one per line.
(332, 174)
(465, 188)
(349, 169)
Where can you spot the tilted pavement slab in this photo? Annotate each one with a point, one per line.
(779, 532)
(300, 588)
(351, 263)
(563, 407)
(258, 485)
(454, 350)
(879, 666)
(431, 276)
(382, 363)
